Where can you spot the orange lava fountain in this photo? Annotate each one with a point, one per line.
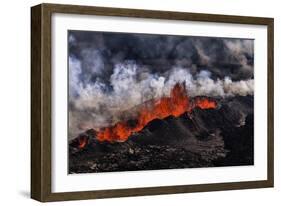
(176, 104)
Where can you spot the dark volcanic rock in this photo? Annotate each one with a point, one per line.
(202, 138)
(240, 142)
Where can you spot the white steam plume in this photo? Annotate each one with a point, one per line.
(93, 105)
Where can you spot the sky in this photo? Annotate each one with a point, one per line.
(110, 73)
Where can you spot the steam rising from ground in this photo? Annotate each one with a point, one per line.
(98, 104)
(110, 74)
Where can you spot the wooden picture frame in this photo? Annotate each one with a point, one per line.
(41, 96)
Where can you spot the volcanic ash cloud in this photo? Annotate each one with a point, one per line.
(97, 104)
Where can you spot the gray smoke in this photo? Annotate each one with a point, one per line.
(109, 73)
(94, 106)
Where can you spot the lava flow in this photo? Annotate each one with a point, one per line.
(176, 104)
(82, 141)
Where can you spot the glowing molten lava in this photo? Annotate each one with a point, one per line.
(176, 104)
(204, 103)
(82, 141)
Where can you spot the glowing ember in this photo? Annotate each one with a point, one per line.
(82, 141)
(176, 104)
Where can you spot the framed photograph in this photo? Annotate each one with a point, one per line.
(130, 102)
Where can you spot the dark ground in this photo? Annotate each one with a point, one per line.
(202, 138)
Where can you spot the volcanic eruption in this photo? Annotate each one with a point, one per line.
(149, 101)
(176, 104)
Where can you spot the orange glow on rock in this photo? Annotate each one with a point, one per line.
(82, 141)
